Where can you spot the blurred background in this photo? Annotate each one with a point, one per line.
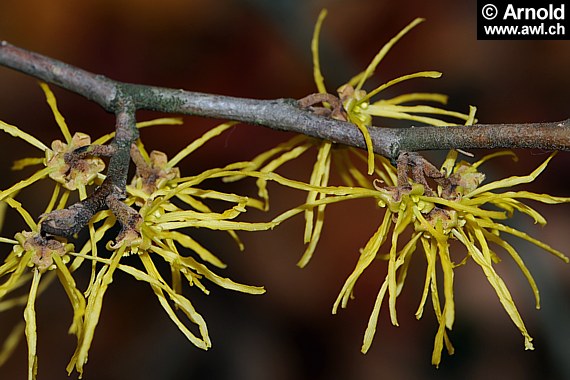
(261, 49)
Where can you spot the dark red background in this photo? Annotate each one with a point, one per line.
(261, 49)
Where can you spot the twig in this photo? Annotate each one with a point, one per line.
(68, 222)
(284, 114)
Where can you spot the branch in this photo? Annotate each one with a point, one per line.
(284, 114)
(124, 99)
(68, 222)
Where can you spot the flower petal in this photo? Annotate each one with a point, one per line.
(60, 120)
(14, 131)
(382, 53)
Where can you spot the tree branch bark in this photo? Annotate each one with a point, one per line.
(283, 114)
(69, 221)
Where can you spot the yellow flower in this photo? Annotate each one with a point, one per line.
(72, 175)
(167, 206)
(64, 162)
(358, 105)
(355, 106)
(59, 165)
(44, 256)
(461, 209)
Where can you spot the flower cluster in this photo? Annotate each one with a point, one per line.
(355, 105)
(463, 210)
(458, 208)
(163, 207)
